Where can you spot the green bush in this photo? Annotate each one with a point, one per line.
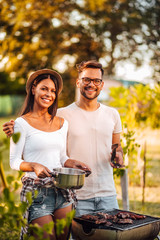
(12, 210)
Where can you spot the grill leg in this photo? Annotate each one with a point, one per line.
(69, 232)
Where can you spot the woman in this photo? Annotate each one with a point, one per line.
(42, 147)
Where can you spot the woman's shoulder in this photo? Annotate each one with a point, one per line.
(64, 126)
(20, 125)
(63, 122)
(22, 121)
(19, 120)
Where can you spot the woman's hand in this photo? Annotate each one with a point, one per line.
(8, 128)
(40, 170)
(70, 163)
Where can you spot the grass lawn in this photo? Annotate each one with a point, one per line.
(152, 200)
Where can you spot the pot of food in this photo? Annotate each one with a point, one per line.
(69, 177)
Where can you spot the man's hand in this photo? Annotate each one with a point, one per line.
(70, 163)
(117, 161)
(8, 128)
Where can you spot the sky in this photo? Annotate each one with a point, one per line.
(130, 72)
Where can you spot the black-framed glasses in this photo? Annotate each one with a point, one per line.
(87, 81)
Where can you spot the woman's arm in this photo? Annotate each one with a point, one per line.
(40, 170)
(16, 153)
(63, 151)
(16, 149)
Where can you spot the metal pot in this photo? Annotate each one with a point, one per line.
(68, 178)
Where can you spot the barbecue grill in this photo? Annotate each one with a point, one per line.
(140, 229)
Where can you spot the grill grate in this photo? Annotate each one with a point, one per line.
(88, 224)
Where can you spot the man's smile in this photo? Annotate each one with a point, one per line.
(90, 89)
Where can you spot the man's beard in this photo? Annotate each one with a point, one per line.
(89, 98)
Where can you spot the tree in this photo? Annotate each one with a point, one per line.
(7, 86)
(153, 33)
(38, 34)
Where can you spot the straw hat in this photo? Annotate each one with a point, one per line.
(34, 75)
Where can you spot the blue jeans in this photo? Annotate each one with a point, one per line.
(96, 204)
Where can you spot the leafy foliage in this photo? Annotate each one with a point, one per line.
(73, 31)
(139, 108)
(4, 143)
(16, 137)
(12, 210)
(11, 216)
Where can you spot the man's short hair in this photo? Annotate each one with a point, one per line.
(89, 64)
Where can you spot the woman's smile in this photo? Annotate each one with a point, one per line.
(44, 93)
(46, 99)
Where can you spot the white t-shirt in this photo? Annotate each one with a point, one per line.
(89, 140)
(47, 148)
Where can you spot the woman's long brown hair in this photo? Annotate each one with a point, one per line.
(29, 100)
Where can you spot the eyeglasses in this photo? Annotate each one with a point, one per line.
(87, 81)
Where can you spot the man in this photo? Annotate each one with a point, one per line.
(93, 128)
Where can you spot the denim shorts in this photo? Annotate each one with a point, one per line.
(92, 205)
(46, 203)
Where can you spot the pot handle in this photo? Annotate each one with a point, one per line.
(87, 173)
(54, 174)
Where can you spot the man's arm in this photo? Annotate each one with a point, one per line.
(8, 128)
(119, 150)
(72, 163)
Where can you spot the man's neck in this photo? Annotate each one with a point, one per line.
(88, 105)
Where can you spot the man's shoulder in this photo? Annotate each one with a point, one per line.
(109, 111)
(108, 108)
(65, 110)
(69, 107)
